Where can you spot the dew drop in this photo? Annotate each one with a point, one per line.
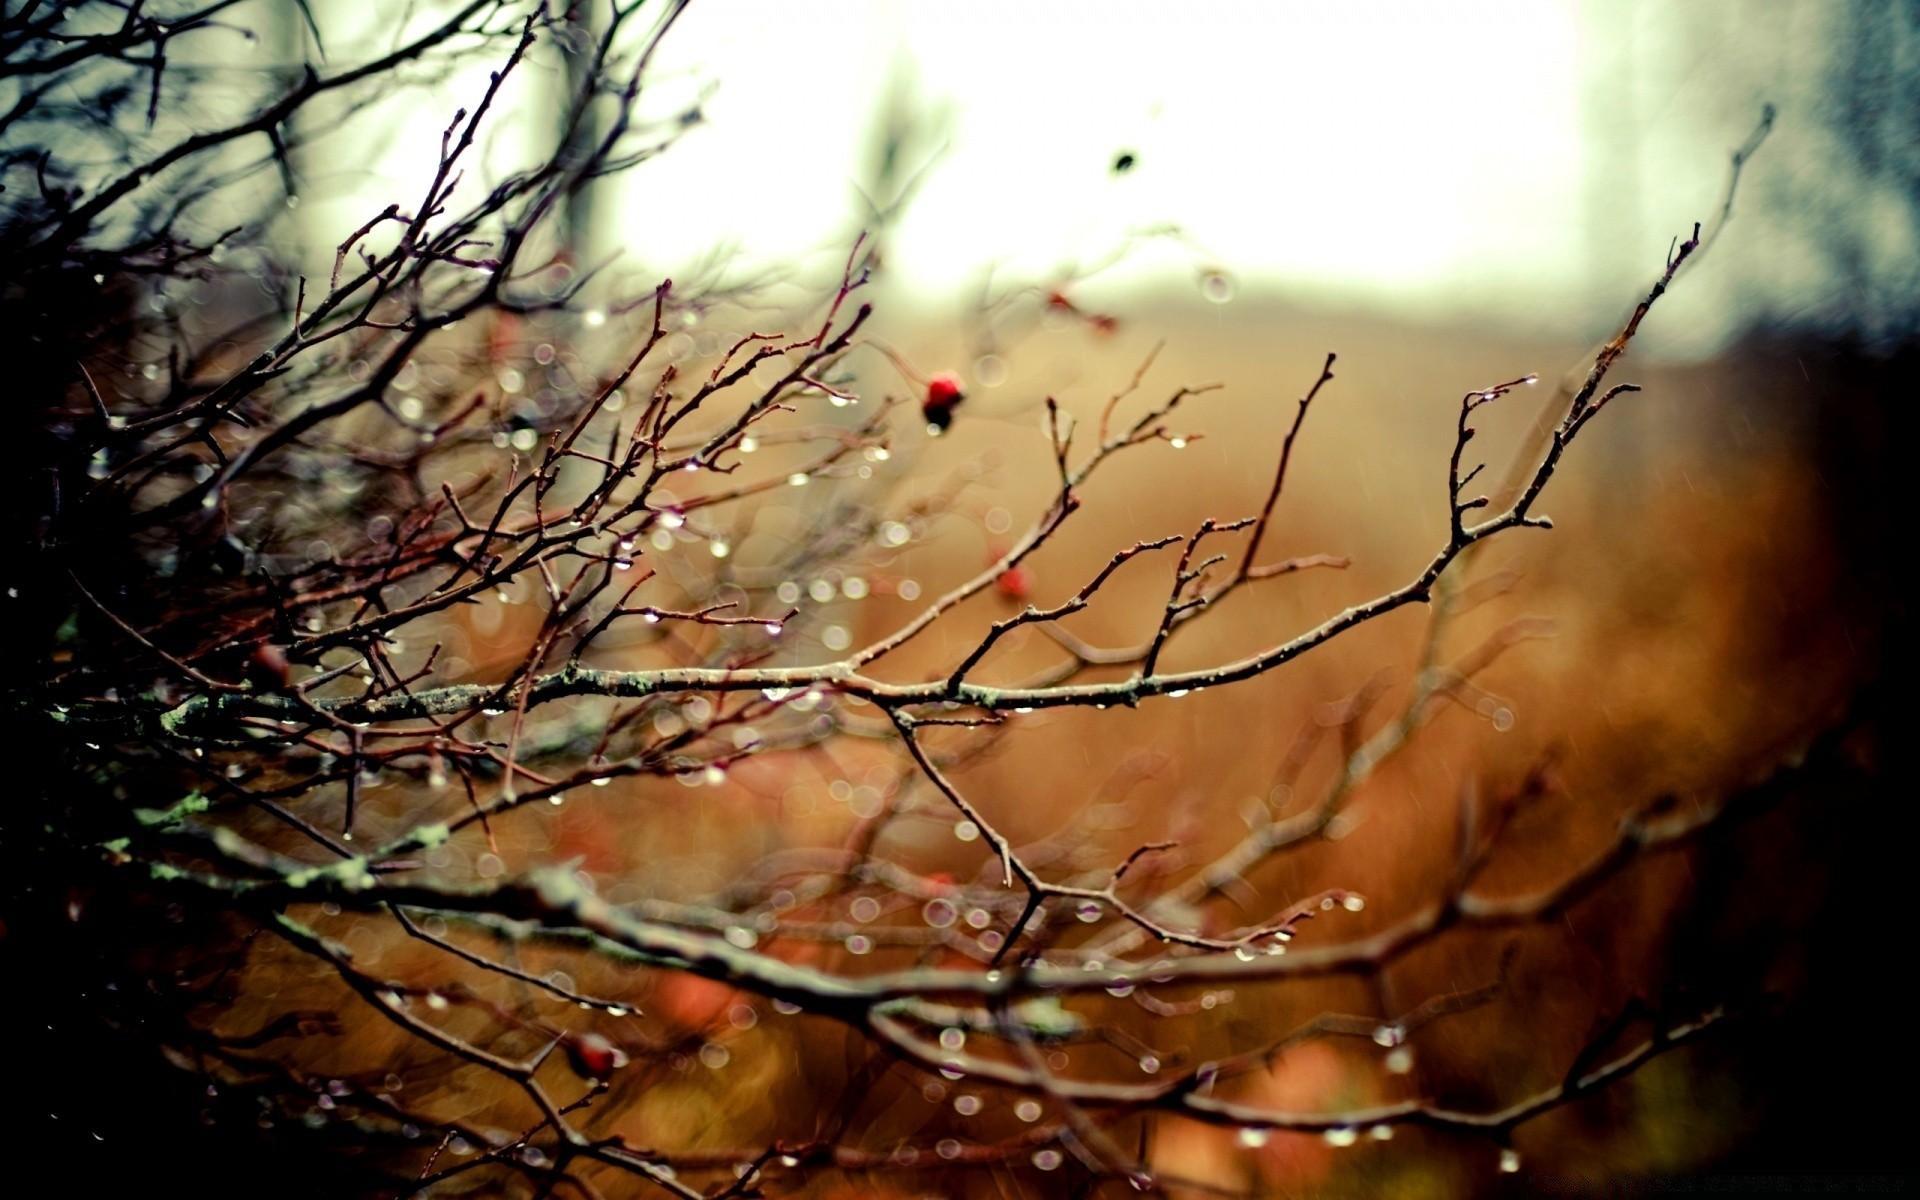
(1047, 1159)
(1252, 1138)
(1509, 1161)
(1340, 1135)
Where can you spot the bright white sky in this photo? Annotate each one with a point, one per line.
(1357, 146)
(1433, 160)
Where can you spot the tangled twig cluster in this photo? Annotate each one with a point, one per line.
(260, 552)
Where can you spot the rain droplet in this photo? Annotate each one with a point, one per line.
(1253, 1138)
(966, 831)
(1354, 903)
(1389, 1035)
(952, 1039)
(1046, 1159)
(1089, 911)
(966, 1105)
(1027, 1110)
(1340, 1135)
(859, 943)
(1217, 286)
(939, 913)
(1509, 1161)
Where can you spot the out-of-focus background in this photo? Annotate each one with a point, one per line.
(1492, 164)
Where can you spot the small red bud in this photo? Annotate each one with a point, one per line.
(1014, 583)
(593, 1056)
(1058, 300)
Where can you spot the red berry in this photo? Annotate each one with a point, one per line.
(593, 1056)
(943, 394)
(267, 666)
(1014, 583)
